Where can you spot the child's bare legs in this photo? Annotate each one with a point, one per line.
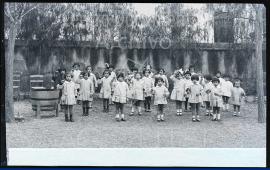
(216, 113)
(106, 105)
(236, 108)
(133, 105)
(208, 108)
(160, 114)
(65, 107)
(186, 104)
(198, 105)
(178, 108)
(117, 116)
(83, 107)
(137, 104)
(70, 109)
(121, 108)
(225, 102)
(147, 103)
(193, 110)
(87, 107)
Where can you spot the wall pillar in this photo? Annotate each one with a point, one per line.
(101, 61)
(221, 61)
(151, 59)
(204, 59)
(187, 58)
(233, 67)
(135, 58)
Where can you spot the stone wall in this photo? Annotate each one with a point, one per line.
(236, 60)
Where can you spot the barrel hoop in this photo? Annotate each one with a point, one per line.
(44, 90)
(44, 105)
(44, 99)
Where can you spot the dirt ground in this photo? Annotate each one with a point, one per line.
(101, 130)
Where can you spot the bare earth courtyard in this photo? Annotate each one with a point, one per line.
(100, 130)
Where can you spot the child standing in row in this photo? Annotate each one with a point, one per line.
(113, 74)
(93, 79)
(106, 89)
(161, 74)
(148, 85)
(120, 96)
(68, 97)
(226, 89)
(86, 92)
(178, 92)
(216, 99)
(137, 93)
(160, 93)
(188, 83)
(207, 86)
(195, 97)
(76, 72)
(237, 95)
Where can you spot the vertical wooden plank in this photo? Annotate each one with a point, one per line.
(258, 51)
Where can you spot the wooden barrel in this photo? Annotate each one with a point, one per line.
(46, 97)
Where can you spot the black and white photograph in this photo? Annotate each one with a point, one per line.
(109, 76)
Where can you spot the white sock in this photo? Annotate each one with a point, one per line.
(132, 109)
(117, 116)
(214, 116)
(122, 116)
(218, 116)
(158, 116)
(193, 117)
(198, 117)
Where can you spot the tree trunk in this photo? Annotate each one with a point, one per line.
(9, 103)
(258, 51)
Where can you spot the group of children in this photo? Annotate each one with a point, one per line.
(190, 90)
